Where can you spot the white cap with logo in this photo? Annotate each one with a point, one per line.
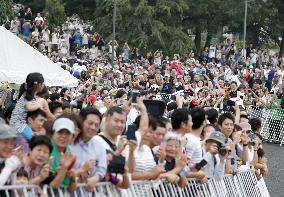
(63, 123)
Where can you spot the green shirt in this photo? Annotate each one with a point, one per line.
(56, 154)
(276, 112)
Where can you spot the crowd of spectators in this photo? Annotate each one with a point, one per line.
(146, 117)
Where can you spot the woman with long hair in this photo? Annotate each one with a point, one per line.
(26, 102)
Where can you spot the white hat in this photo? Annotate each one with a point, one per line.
(63, 123)
(167, 75)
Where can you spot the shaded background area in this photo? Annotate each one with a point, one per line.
(275, 180)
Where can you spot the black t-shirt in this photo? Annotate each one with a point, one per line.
(167, 88)
(126, 85)
(170, 165)
(143, 84)
(180, 87)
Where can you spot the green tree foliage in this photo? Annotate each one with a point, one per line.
(147, 24)
(85, 9)
(55, 12)
(35, 5)
(163, 24)
(6, 10)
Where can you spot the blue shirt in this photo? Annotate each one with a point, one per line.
(78, 38)
(89, 151)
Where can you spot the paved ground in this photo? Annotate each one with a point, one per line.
(275, 180)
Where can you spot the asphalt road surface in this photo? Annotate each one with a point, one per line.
(275, 179)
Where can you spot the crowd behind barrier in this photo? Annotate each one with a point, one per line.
(272, 124)
(243, 184)
(202, 131)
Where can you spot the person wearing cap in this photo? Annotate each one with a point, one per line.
(63, 130)
(10, 160)
(215, 166)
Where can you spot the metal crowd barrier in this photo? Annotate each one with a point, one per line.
(243, 184)
(272, 124)
(20, 191)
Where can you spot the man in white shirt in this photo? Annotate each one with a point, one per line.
(38, 20)
(228, 73)
(193, 144)
(114, 125)
(182, 123)
(55, 40)
(212, 52)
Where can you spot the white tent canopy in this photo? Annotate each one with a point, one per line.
(18, 59)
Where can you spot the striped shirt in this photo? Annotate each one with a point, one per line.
(19, 115)
(144, 159)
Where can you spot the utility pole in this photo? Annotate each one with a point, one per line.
(113, 32)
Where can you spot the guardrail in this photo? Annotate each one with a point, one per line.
(272, 123)
(243, 184)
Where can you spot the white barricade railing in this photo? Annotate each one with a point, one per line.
(262, 187)
(20, 190)
(247, 184)
(243, 184)
(272, 123)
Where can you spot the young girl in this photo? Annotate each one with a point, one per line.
(26, 102)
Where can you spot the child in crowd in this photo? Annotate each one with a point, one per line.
(22, 179)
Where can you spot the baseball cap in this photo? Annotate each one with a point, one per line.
(63, 123)
(219, 65)
(218, 137)
(245, 126)
(6, 132)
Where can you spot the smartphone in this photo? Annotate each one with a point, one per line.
(122, 101)
(134, 95)
(230, 103)
(51, 160)
(201, 164)
(252, 137)
(131, 132)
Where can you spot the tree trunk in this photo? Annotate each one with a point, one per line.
(208, 37)
(197, 40)
(219, 34)
(255, 35)
(282, 44)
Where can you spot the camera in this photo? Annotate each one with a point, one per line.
(252, 138)
(222, 150)
(117, 164)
